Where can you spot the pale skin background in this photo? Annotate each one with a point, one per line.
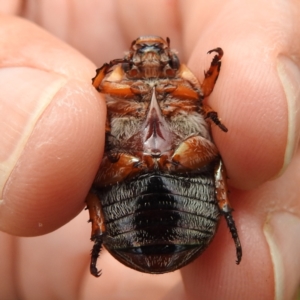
(52, 126)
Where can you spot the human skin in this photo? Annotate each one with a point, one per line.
(52, 137)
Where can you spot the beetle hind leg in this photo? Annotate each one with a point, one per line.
(234, 234)
(98, 229)
(95, 255)
(223, 202)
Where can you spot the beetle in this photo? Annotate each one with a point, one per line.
(161, 188)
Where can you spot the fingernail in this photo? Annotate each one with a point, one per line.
(25, 94)
(282, 234)
(289, 74)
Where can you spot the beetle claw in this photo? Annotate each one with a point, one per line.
(95, 253)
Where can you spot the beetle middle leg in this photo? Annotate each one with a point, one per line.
(213, 115)
(114, 171)
(98, 229)
(225, 208)
(193, 153)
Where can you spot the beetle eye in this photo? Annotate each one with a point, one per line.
(125, 67)
(174, 62)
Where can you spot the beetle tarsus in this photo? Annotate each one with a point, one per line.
(232, 228)
(214, 117)
(94, 256)
(217, 57)
(211, 75)
(225, 208)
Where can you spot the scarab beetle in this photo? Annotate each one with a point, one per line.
(161, 187)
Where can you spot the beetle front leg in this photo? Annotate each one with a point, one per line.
(208, 84)
(101, 72)
(212, 74)
(223, 202)
(98, 229)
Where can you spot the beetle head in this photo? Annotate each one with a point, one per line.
(151, 57)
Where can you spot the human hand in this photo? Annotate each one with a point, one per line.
(52, 124)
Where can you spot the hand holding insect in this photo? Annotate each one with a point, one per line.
(56, 156)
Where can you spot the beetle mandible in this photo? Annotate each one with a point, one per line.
(160, 190)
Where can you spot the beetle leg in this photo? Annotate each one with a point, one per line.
(95, 255)
(116, 89)
(212, 74)
(113, 85)
(186, 75)
(185, 92)
(98, 229)
(101, 72)
(112, 172)
(194, 153)
(213, 115)
(208, 84)
(223, 202)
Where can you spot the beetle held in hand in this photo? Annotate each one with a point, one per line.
(161, 187)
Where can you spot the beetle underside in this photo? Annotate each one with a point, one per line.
(156, 199)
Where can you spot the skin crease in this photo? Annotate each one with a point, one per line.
(52, 143)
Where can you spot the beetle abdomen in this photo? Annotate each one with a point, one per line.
(159, 222)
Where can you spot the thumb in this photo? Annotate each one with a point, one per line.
(52, 124)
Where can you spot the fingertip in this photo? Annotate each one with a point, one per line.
(289, 75)
(256, 95)
(216, 274)
(284, 251)
(250, 102)
(48, 178)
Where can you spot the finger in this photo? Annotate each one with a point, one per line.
(151, 17)
(11, 7)
(90, 27)
(124, 22)
(258, 101)
(53, 124)
(59, 255)
(7, 260)
(257, 94)
(281, 230)
(269, 236)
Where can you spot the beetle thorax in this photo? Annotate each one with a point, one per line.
(149, 64)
